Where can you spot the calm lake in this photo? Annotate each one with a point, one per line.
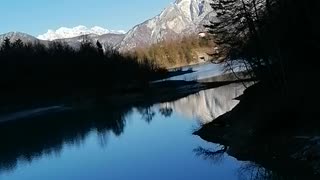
(153, 142)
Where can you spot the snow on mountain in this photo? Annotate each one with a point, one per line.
(13, 36)
(107, 40)
(64, 32)
(180, 18)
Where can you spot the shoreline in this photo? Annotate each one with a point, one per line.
(266, 130)
(166, 91)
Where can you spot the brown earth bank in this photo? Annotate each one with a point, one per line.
(180, 52)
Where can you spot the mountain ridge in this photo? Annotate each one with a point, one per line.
(13, 36)
(181, 18)
(64, 33)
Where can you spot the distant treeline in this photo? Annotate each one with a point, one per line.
(58, 66)
(169, 53)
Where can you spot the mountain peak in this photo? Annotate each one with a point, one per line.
(180, 18)
(183, 17)
(13, 36)
(80, 30)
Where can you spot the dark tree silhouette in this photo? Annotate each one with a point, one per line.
(273, 38)
(166, 111)
(59, 68)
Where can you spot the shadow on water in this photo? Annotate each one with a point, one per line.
(275, 144)
(27, 135)
(179, 72)
(47, 134)
(29, 139)
(34, 136)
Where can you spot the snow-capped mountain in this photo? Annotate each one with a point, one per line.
(64, 32)
(13, 36)
(181, 18)
(107, 40)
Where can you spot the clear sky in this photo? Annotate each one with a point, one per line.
(37, 16)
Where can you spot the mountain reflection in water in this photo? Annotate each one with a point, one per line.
(209, 104)
(101, 142)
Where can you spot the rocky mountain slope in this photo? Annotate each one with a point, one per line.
(107, 40)
(181, 18)
(13, 36)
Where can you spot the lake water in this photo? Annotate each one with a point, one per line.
(206, 70)
(153, 142)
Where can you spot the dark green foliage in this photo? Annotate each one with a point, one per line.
(60, 67)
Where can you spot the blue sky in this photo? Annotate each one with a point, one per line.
(37, 16)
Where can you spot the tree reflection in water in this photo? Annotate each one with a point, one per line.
(247, 171)
(166, 111)
(147, 113)
(33, 138)
(215, 156)
(253, 171)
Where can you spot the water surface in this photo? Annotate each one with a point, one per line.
(153, 142)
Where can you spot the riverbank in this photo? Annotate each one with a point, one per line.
(191, 65)
(176, 84)
(104, 132)
(36, 104)
(273, 129)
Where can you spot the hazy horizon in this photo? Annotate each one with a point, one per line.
(36, 17)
